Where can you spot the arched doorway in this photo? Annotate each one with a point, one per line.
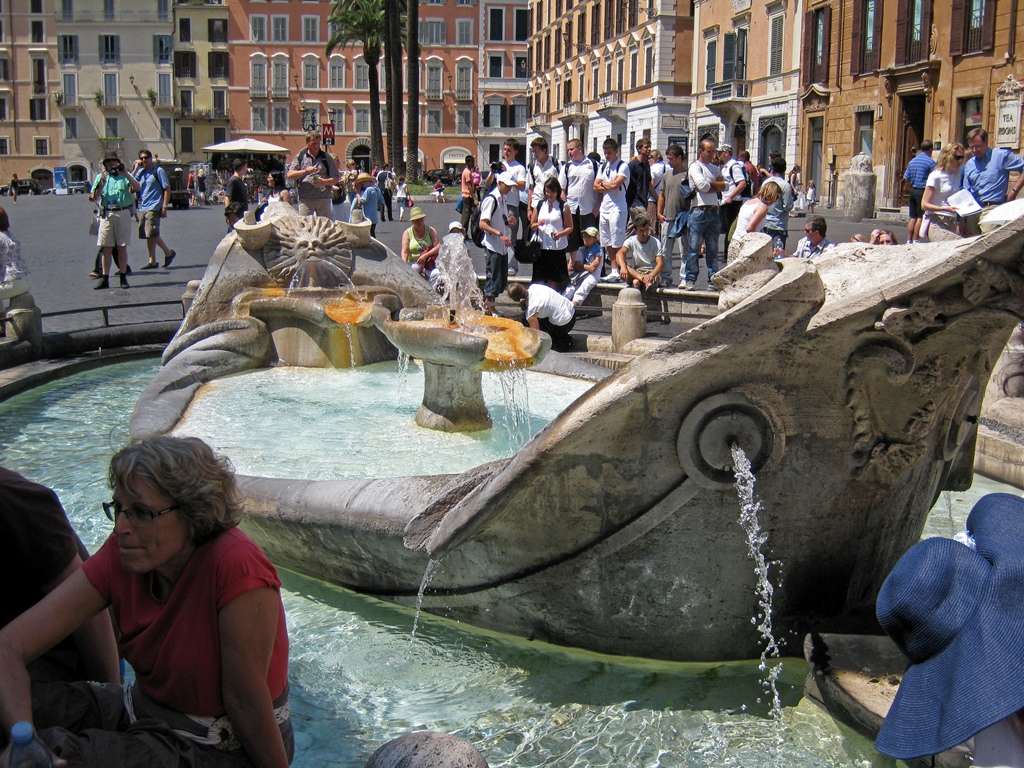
(359, 150)
(772, 134)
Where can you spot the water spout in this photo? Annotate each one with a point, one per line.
(428, 574)
(750, 506)
(457, 279)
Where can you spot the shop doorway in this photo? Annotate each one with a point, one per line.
(913, 108)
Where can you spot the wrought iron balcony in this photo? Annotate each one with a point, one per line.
(257, 91)
(729, 91)
(279, 91)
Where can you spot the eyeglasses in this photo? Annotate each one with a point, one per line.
(807, 230)
(135, 516)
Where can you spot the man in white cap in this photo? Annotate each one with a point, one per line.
(494, 221)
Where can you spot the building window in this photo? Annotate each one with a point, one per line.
(185, 100)
(310, 29)
(163, 90)
(259, 118)
(866, 35)
(163, 49)
(38, 31)
(166, 128)
(67, 49)
(463, 121)
(362, 73)
(70, 128)
(279, 29)
(519, 117)
(465, 2)
(220, 134)
(362, 120)
(258, 29)
(163, 10)
(915, 16)
(464, 80)
(279, 85)
(218, 63)
(42, 146)
(185, 64)
(258, 79)
(38, 75)
(188, 144)
(110, 49)
(971, 116)
(778, 26)
(280, 119)
(336, 68)
(310, 73)
(817, 39)
(220, 102)
(433, 84)
(865, 132)
(5, 147)
(435, 2)
(634, 65)
(69, 86)
(495, 66)
(496, 28)
(3, 108)
(36, 6)
(108, 10)
(432, 32)
(523, 25)
(112, 127)
(464, 32)
(521, 71)
(110, 89)
(184, 30)
(217, 30)
(433, 121)
(973, 26)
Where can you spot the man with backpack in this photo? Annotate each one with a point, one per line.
(610, 185)
(673, 211)
(539, 171)
(577, 176)
(638, 186)
(386, 185)
(153, 199)
(738, 191)
(496, 223)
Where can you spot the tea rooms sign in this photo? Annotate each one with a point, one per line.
(1007, 127)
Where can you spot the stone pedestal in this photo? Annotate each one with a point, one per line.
(629, 318)
(25, 319)
(857, 187)
(453, 399)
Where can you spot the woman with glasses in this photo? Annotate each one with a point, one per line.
(199, 617)
(941, 221)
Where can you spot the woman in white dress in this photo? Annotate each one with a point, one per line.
(942, 182)
(553, 223)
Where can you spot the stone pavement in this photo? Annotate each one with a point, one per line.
(59, 252)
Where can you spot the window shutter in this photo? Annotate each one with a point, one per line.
(503, 115)
(876, 57)
(741, 54)
(902, 20)
(712, 53)
(487, 115)
(156, 49)
(926, 29)
(729, 57)
(988, 26)
(826, 44)
(857, 39)
(117, 48)
(806, 74)
(956, 29)
(778, 26)
(74, 47)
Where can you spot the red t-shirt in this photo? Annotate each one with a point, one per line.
(174, 646)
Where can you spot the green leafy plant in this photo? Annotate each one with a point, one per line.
(151, 93)
(97, 96)
(58, 97)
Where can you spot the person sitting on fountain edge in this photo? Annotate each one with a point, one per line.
(585, 268)
(547, 310)
(40, 551)
(639, 261)
(200, 620)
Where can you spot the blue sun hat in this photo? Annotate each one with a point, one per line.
(957, 613)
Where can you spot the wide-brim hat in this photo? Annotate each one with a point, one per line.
(111, 154)
(416, 214)
(364, 177)
(957, 613)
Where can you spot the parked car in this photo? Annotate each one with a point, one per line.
(78, 187)
(446, 178)
(25, 187)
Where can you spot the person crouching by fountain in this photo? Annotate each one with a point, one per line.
(200, 620)
(585, 268)
(953, 608)
(420, 245)
(547, 310)
(497, 223)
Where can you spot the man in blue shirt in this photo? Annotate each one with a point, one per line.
(987, 175)
(154, 197)
(918, 168)
(368, 198)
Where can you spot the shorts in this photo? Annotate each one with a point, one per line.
(115, 229)
(916, 193)
(612, 228)
(319, 206)
(149, 224)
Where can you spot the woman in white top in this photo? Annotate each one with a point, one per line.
(552, 224)
(13, 272)
(751, 215)
(942, 182)
(276, 189)
(402, 196)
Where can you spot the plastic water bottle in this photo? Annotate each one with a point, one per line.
(26, 750)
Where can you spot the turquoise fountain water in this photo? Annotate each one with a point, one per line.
(357, 682)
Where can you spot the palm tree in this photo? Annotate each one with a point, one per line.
(395, 15)
(412, 50)
(362, 21)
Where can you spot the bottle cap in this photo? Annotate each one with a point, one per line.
(21, 733)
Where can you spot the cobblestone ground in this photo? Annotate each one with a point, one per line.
(59, 251)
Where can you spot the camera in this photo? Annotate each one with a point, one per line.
(115, 170)
(495, 166)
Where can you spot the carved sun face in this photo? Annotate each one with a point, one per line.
(297, 238)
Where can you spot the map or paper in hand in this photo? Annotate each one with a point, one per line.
(964, 202)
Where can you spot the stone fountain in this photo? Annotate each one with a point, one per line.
(852, 381)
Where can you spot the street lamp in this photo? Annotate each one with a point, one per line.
(309, 119)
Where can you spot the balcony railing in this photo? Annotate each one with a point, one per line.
(257, 91)
(279, 91)
(432, 93)
(463, 94)
(574, 109)
(126, 16)
(538, 117)
(733, 89)
(201, 114)
(613, 99)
